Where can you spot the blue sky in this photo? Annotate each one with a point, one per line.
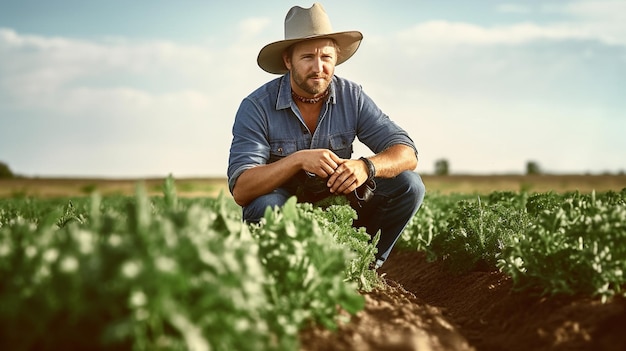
(150, 88)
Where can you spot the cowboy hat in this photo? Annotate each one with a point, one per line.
(306, 24)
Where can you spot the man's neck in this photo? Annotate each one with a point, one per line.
(306, 100)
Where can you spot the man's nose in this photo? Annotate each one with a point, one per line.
(318, 65)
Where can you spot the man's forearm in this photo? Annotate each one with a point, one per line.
(262, 179)
(394, 160)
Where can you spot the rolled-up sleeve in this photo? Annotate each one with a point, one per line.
(250, 146)
(376, 130)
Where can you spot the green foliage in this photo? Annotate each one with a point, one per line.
(337, 220)
(442, 167)
(173, 274)
(576, 245)
(555, 243)
(131, 279)
(532, 168)
(5, 171)
(88, 189)
(69, 215)
(477, 233)
(176, 274)
(305, 268)
(430, 221)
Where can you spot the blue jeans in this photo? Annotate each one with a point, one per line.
(395, 202)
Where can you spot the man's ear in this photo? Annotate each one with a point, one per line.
(287, 60)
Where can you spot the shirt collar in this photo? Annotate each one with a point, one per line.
(284, 93)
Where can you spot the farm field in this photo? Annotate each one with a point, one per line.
(192, 187)
(428, 306)
(424, 305)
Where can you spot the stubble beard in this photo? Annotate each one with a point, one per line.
(314, 89)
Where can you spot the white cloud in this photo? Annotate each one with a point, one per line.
(491, 98)
(455, 33)
(612, 10)
(604, 20)
(44, 71)
(148, 98)
(488, 98)
(251, 27)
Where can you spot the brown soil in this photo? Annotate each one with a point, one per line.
(426, 307)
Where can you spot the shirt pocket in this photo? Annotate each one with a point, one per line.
(281, 148)
(341, 144)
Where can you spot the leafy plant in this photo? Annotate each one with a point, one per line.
(337, 220)
(305, 268)
(167, 273)
(131, 279)
(477, 233)
(576, 245)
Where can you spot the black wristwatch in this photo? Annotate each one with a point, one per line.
(371, 170)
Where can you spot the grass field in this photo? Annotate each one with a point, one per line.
(190, 187)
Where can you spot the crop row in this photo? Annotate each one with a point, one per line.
(552, 243)
(166, 273)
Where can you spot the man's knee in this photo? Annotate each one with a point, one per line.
(254, 211)
(414, 187)
(417, 187)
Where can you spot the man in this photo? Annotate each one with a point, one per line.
(294, 135)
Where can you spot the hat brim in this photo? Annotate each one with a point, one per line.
(270, 58)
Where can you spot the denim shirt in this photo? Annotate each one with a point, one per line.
(268, 126)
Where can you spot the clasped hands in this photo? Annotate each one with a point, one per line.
(343, 175)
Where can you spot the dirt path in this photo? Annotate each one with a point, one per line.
(393, 319)
(425, 307)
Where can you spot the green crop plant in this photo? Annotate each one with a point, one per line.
(477, 233)
(576, 245)
(130, 278)
(162, 272)
(306, 269)
(150, 273)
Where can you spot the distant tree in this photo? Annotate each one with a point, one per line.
(532, 167)
(5, 171)
(442, 167)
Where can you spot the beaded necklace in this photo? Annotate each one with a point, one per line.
(312, 100)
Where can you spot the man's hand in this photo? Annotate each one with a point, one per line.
(347, 177)
(321, 162)
(263, 179)
(351, 174)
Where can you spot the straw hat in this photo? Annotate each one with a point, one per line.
(306, 24)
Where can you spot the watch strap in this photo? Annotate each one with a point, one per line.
(371, 170)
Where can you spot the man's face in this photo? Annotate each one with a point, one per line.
(312, 65)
